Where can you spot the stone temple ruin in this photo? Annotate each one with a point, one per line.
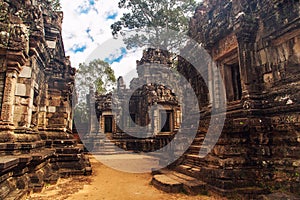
(166, 115)
(36, 85)
(255, 45)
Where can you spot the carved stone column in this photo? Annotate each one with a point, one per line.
(14, 63)
(92, 118)
(156, 122)
(246, 34)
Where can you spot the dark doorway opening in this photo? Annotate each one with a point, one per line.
(108, 124)
(166, 121)
(233, 82)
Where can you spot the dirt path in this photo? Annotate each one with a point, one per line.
(108, 184)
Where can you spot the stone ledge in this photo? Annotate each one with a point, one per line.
(166, 184)
(174, 182)
(8, 162)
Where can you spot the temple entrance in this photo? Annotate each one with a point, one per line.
(108, 124)
(233, 80)
(166, 121)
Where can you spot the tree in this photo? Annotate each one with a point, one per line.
(159, 15)
(97, 75)
(55, 5)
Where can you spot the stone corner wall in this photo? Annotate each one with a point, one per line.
(36, 86)
(254, 45)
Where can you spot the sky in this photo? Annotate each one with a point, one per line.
(87, 35)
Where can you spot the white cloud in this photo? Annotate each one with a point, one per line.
(86, 28)
(87, 33)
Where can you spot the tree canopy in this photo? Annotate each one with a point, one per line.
(97, 74)
(55, 5)
(158, 15)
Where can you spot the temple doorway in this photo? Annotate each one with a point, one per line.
(108, 124)
(166, 121)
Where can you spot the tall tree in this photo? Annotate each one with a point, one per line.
(163, 17)
(98, 75)
(55, 5)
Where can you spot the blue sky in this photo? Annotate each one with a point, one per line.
(86, 26)
(116, 56)
(112, 16)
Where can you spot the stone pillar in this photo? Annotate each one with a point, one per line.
(100, 130)
(8, 101)
(9, 97)
(246, 35)
(248, 77)
(93, 125)
(156, 127)
(210, 84)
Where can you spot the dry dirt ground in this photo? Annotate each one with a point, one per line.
(109, 184)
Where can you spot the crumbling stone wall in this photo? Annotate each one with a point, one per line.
(36, 84)
(132, 106)
(254, 44)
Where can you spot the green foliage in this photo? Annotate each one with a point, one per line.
(155, 14)
(55, 5)
(97, 74)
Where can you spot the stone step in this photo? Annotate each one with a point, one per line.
(61, 143)
(8, 162)
(192, 156)
(41, 155)
(109, 153)
(69, 150)
(72, 172)
(172, 181)
(196, 148)
(192, 162)
(189, 170)
(18, 195)
(166, 184)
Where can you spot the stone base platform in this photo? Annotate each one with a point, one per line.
(26, 168)
(25, 173)
(175, 182)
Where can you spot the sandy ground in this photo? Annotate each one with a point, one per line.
(109, 184)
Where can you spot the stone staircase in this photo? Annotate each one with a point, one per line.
(100, 145)
(69, 158)
(194, 175)
(25, 173)
(184, 177)
(27, 167)
(191, 164)
(175, 182)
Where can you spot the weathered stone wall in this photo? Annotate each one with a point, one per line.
(254, 44)
(137, 106)
(36, 84)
